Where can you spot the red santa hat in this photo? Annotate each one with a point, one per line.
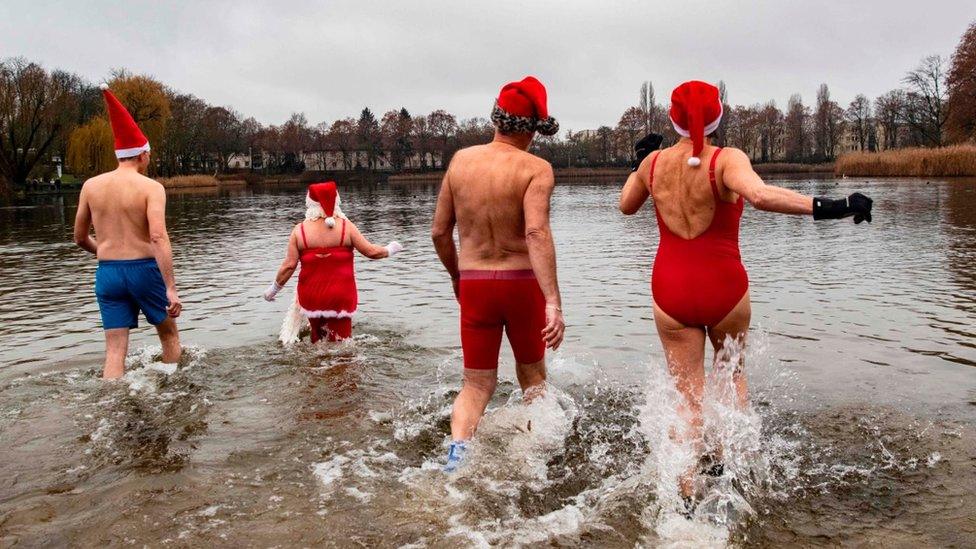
(696, 111)
(129, 139)
(325, 194)
(521, 108)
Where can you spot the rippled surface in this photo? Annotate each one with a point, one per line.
(864, 392)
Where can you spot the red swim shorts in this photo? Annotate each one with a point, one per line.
(496, 300)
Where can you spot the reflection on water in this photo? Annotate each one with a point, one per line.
(860, 430)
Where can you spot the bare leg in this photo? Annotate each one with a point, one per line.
(169, 338)
(532, 379)
(684, 348)
(116, 347)
(734, 325)
(470, 404)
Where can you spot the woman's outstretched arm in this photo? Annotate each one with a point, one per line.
(738, 176)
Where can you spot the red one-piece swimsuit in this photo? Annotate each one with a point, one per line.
(698, 281)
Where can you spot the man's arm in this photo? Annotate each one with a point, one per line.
(739, 177)
(162, 250)
(83, 220)
(442, 230)
(542, 251)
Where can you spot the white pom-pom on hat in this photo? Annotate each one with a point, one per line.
(330, 221)
(694, 161)
(103, 86)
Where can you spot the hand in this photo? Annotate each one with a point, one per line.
(272, 291)
(648, 144)
(175, 307)
(393, 248)
(552, 334)
(856, 204)
(861, 206)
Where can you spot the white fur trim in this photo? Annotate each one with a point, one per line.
(328, 314)
(313, 210)
(292, 324)
(708, 129)
(694, 161)
(103, 86)
(134, 151)
(330, 221)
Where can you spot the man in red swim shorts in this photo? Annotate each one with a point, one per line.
(505, 275)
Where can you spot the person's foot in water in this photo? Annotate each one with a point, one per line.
(455, 455)
(710, 466)
(687, 507)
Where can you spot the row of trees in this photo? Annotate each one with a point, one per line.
(48, 117)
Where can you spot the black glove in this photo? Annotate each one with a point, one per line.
(856, 204)
(648, 144)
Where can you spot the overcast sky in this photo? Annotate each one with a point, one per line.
(330, 59)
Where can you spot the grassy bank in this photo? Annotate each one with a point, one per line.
(958, 160)
(198, 182)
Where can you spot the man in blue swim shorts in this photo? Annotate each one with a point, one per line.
(135, 260)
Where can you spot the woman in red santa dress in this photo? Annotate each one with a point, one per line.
(323, 244)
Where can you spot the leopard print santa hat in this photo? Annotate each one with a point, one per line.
(521, 108)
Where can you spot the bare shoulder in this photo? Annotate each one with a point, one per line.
(95, 181)
(350, 226)
(536, 165)
(149, 183)
(467, 153)
(732, 155)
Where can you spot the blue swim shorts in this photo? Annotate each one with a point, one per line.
(126, 286)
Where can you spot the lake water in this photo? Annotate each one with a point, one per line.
(860, 431)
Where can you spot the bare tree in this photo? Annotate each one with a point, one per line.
(630, 125)
(796, 143)
(926, 99)
(859, 118)
(770, 126)
(443, 126)
(648, 107)
(889, 111)
(37, 109)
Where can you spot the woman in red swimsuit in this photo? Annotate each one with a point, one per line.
(326, 294)
(699, 285)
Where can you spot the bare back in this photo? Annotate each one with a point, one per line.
(119, 202)
(682, 194)
(488, 184)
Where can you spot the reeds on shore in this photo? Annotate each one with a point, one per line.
(195, 181)
(953, 161)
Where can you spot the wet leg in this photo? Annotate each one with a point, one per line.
(339, 328)
(169, 338)
(116, 347)
(532, 379)
(477, 389)
(733, 331)
(684, 349)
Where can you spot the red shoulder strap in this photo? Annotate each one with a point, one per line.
(711, 173)
(304, 242)
(342, 236)
(650, 176)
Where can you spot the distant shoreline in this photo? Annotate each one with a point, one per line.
(954, 161)
(582, 175)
